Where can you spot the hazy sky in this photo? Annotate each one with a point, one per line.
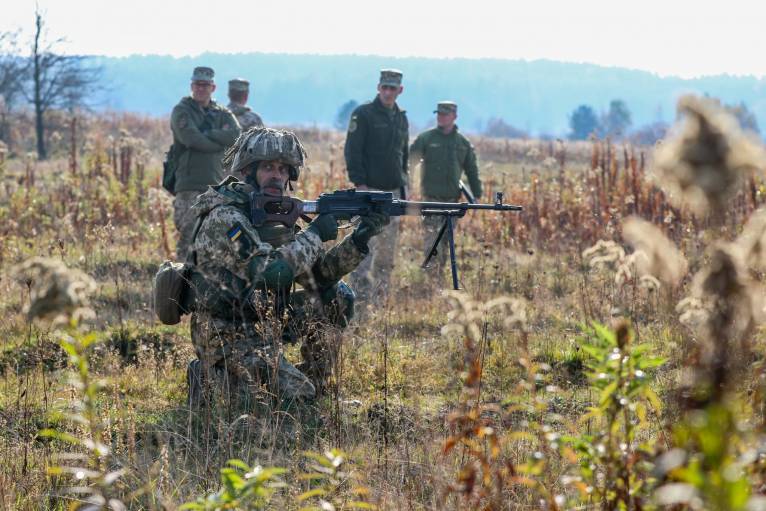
(668, 37)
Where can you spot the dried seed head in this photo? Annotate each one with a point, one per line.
(702, 162)
(56, 292)
(159, 197)
(728, 293)
(693, 312)
(624, 274)
(604, 254)
(649, 283)
(661, 259)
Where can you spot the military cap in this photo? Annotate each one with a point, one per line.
(446, 107)
(203, 74)
(239, 84)
(391, 77)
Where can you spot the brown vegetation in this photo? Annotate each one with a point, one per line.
(509, 395)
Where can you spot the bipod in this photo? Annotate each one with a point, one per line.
(447, 227)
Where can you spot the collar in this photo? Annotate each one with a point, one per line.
(237, 105)
(190, 100)
(454, 130)
(379, 104)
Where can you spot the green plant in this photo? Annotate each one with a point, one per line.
(242, 487)
(90, 475)
(612, 466)
(333, 484)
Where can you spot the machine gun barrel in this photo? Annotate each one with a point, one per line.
(348, 203)
(345, 204)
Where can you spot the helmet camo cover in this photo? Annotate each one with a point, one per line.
(265, 144)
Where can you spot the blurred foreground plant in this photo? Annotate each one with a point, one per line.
(61, 295)
(715, 461)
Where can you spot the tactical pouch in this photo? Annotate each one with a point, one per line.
(169, 167)
(172, 292)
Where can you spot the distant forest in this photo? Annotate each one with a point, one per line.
(513, 97)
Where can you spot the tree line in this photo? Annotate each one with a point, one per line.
(584, 122)
(37, 74)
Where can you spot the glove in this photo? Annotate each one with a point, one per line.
(325, 226)
(371, 225)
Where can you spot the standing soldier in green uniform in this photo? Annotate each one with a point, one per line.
(446, 154)
(244, 276)
(202, 130)
(377, 156)
(239, 90)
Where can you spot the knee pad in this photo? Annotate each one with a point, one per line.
(343, 304)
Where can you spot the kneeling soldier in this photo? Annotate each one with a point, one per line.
(244, 276)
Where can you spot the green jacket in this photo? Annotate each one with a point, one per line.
(376, 148)
(445, 158)
(203, 135)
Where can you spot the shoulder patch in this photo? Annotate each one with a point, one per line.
(352, 125)
(235, 232)
(183, 120)
(241, 239)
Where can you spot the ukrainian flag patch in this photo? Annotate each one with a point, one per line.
(235, 232)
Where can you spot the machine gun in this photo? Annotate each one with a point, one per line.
(346, 204)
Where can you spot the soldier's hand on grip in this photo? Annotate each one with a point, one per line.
(325, 226)
(371, 225)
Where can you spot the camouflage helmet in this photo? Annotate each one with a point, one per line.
(264, 144)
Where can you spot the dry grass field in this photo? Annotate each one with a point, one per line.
(605, 352)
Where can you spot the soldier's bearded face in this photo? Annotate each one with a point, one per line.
(388, 94)
(202, 91)
(446, 120)
(272, 176)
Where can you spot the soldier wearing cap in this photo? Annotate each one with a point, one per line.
(202, 130)
(376, 153)
(239, 89)
(446, 154)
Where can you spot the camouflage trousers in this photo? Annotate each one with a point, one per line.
(185, 221)
(372, 276)
(431, 227)
(241, 350)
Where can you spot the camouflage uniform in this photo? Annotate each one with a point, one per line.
(244, 114)
(239, 325)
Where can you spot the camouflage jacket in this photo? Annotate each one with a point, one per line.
(203, 135)
(377, 145)
(445, 158)
(245, 115)
(231, 254)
